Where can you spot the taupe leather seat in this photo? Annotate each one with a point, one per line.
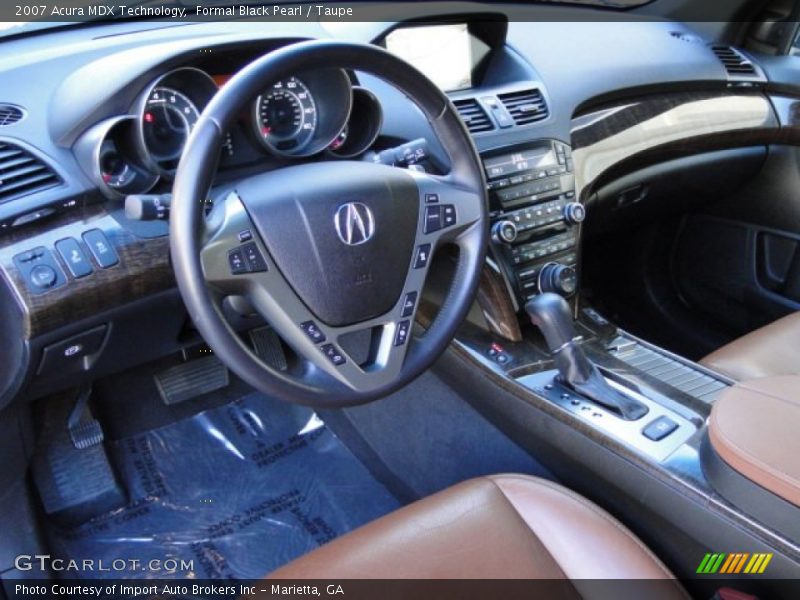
(505, 526)
(770, 351)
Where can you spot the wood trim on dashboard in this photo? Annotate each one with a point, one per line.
(143, 269)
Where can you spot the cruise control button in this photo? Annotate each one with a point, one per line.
(333, 354)
(401, 335)
(431, 198)
(100, 248)
(433, 219)
(43, 277)
(252, 255)
(76, 260)
(423, 256)
(313, 331)
(236, 262)
(659, 429)
(408, 304)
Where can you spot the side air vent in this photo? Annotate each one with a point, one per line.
(22, 173)
(473, 115)
(527, 106)
(10, 114)
(734, 62)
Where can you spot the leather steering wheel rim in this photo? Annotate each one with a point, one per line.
(318, 385)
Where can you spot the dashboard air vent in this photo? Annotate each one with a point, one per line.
(473, 115)
(527, 106)
(22, 173)
(10, 114)
(734, 62)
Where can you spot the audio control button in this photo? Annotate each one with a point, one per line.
(504, 231)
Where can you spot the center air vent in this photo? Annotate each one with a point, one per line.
(473, 115)
(734, 62)
(527, 106)
(10, 114)
(22, 173)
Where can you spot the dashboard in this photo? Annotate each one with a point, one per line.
(106, 111)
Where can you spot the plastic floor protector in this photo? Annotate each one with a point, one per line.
(235, 491)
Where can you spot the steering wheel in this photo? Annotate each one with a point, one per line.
(325, 250)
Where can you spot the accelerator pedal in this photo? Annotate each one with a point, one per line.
(70, 467)
(191, 379)
(267, 346)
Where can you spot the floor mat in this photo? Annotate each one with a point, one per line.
(235, 492)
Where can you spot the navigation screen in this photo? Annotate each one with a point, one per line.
(503, 166)
(444, 53)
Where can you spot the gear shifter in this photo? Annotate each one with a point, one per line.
(551, 314)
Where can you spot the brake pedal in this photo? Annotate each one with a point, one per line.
(267, 346)
(191, 379)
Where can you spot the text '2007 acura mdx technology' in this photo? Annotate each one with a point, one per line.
(368, 300)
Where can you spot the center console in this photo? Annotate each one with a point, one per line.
(535, 217)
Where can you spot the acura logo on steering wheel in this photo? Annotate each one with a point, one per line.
(354, 223)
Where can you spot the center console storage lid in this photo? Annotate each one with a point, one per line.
(753, 428)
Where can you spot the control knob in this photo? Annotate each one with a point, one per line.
(558, 278)
(574, 213)
(504, 231)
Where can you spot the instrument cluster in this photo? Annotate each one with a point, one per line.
(318, 112)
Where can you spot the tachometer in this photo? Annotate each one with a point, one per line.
(167, 120)
(286, 116)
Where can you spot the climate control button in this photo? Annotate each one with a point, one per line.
(504, 231)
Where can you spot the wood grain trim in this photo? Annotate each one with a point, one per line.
(496, 305)
(143, 269)
(604, 138)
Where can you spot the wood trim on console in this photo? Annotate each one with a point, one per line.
(143, 269)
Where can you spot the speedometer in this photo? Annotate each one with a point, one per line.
(286, 116)
(167, 120)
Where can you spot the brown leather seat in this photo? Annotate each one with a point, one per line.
(505, 526)
(770, 351)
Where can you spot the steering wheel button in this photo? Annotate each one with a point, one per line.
(236, 262)
(255, 261)
(423, 256)
(333, 354)
(448, 215)
(313, 332)
(401, 335)
(245, 236)
(408, 304)
(433, 218)
(431, 198)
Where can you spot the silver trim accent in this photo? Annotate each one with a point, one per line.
(354, 223)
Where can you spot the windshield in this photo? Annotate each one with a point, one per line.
(26, 18)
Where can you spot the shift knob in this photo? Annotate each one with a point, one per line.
(551, 314)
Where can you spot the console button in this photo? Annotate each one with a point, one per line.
(401, 335)
(76, 260)
(313, 332)
(333, 354)
(433, 219)
(408, 304)
(252, 255)
(423, 256)
(43, 277)
(99, 247)
(236, 262)
(659, 429)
